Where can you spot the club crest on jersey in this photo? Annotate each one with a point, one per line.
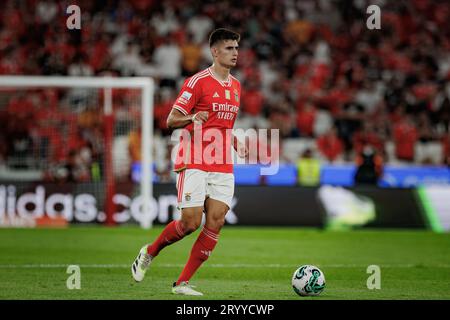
(187, 196)
(227, 95)
(236, 95)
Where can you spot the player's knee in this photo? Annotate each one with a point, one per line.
(216, 224)
(190, 226)
(220, 222)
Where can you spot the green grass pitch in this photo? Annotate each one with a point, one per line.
(248, 263)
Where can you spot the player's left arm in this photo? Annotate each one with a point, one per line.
(240, 148)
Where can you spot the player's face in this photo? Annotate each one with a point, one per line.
(226, 52)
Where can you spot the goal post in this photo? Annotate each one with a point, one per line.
(146, 87)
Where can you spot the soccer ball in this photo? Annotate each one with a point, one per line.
(308, 280)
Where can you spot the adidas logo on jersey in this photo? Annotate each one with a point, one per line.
(216, 95)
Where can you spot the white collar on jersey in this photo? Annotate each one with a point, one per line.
(222, 83)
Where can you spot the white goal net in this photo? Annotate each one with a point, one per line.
(77, 147)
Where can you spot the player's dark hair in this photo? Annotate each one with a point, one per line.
(223, 34)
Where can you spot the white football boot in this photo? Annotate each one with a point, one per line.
(185, 289)
(141, 264)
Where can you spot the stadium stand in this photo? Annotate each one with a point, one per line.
(308, 68)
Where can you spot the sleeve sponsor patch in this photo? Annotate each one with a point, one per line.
(184, 98)
(186, 95)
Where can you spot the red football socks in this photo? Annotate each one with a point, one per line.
(171, 233)
(200, 252)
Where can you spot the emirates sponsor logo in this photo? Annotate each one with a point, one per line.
(224, 107)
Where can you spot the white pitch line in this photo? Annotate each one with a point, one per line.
(249, 266)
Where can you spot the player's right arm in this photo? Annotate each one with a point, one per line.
(177, 119)
(181, 114)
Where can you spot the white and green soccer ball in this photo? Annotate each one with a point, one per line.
(308, 280)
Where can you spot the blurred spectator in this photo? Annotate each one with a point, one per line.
(367, 137)
(99, 53)
(306, 118)
(199, 26)
(298, 29)
(308, 169)
(79, 67)
(330, 146)
(348, 121)
(446, 148)
(252, 106)
(163, 106)
(323, 121)
(282, 118)
(369, 96)
(129, 61)
(134, 145)
(191, 57)
(426, 135)
(252, 99)
(167, 57)
(405, 137)
(18, 129)
(161, 155)
(442, 115)
(369, 167)
(165, 21)
(46, 11)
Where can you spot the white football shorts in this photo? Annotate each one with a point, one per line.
(194, 186)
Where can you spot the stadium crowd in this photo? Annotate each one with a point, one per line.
(310, 68)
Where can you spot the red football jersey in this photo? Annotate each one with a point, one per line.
(208, 146)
